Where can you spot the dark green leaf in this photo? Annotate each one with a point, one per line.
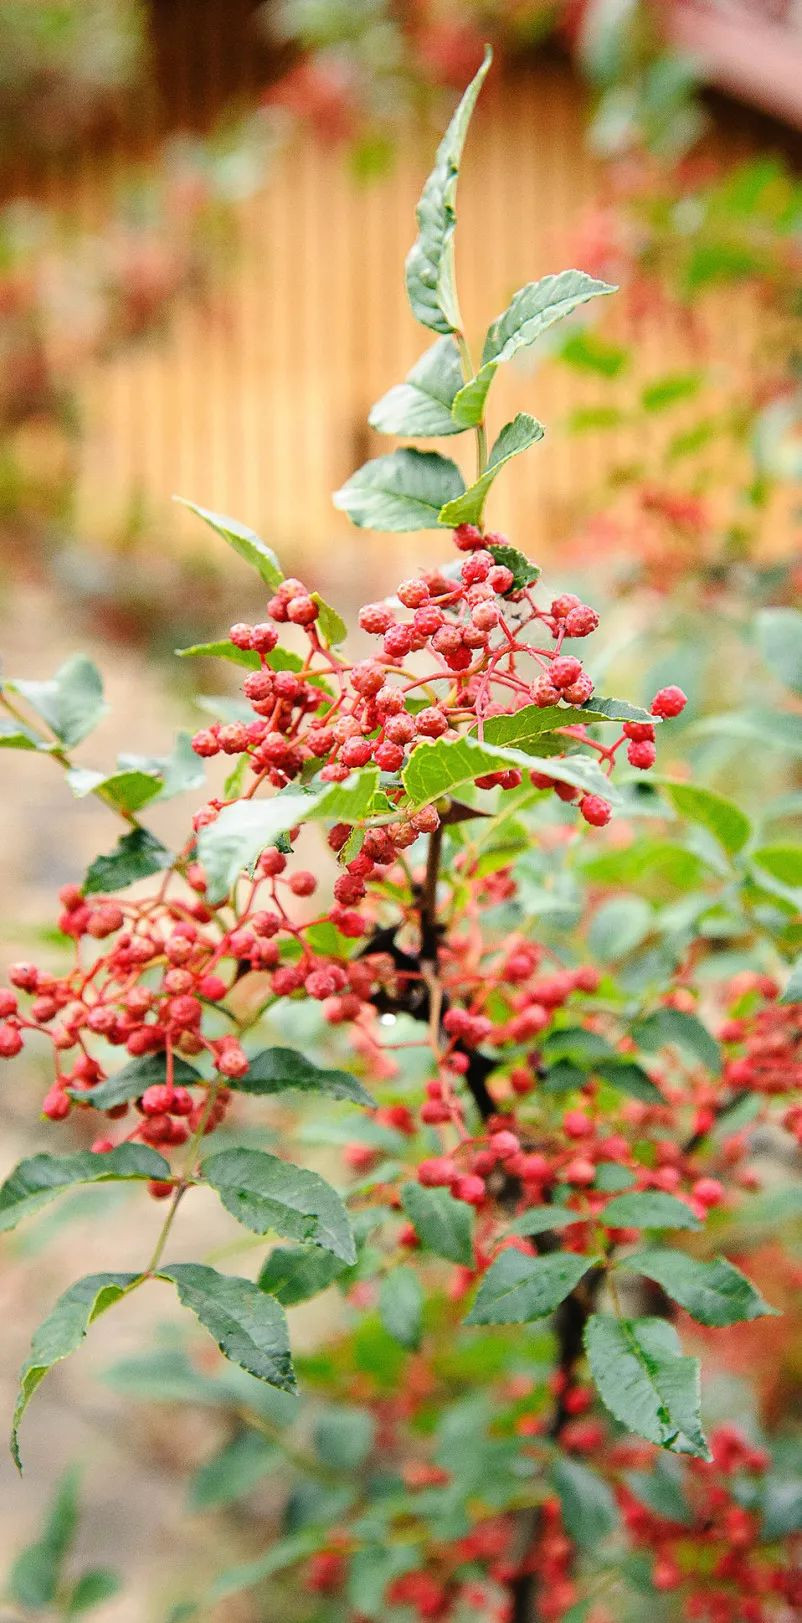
(344, 1438)
(134, 1078)
(539, 1219)
(421, 406)
(517, 1288)
(92, 1589)
(401, 1306)
(277, 1070)
(294, 1273)
(524, 573)
(651, 1209)
(265, 1193)
(249, 1327)
(406, 490)
(71, 702)
(588, 1507)
(244, 541)
(677, 1029)
(715, 1293)
(629, 1078)
(646, 1382)
(515, 437)
(429, 269)
(135, 856)
(63, 1331)
(443, 1224)
(38, 1180)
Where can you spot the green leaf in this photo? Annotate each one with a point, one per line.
(782, 862)
(629, 1078)
(71, 702)
(244, 541)
(249, 1327)
(438, 768)
(130, 790)
(651, 1209)
(721, 817)
(646, 1382)
(286, 1552)
(793, 986)
(63, 1331)
(263, 1192)
(515, 437)
(618, 926)
(295, 1273)
(135, 856)
(421, 406)
(233, 1471)
(330, 624)
(533, 309)
(715, 1293)
(39, 1179)
(670, 390)
(406, 490)
(779, 637)
(524, 572)
(677, 1029)
(92, 1589)
(344, 1438)
(15, 736)
(134, 1078)
(429, 268)
(444, 1225)
(660, 1490)
(587, 352)
(588, 1507)
(222, 649)
(517, 1288)
(539, 1219)
(401, 1306)
(277, 1070)
(36, 1574)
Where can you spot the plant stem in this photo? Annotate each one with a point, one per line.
(183, 1181)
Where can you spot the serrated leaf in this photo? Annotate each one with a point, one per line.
(715, 1293)
(295, 1273)
(515, 437)
(135, 856)
(39, 1179)
(329, 623)
(130, 790)
(420, 407)
(649, 1209)
(532, 310)
(444, 1225)
(277, 1070)
(62, 1332)
(244, 541)
(265, 1193)
(588, 1507)
(677, 1028)
(222, 649)
(517, 1289)
(524, 572)
(429, 272)
(249, 1326)
(779, 636)
(438, 768)
(71, 702)
(401, 1306)
(720, 816)
(403, 491)
(646, 1382)
(539, 1219)
(233, 843)
(134, 1078)
(602, 709)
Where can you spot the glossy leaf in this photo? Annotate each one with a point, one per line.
(243, 540)
(39, 1179)
(646, 1382)
(420, 407)
(715, 1293)
(277, 1070)
(429, 271)
(406, 490)
(265, 1193)
(515, 437)
(249, 1326)
(517, 1288)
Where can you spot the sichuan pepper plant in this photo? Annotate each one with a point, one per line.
(537, 1184)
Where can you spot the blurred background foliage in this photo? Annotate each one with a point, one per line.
(203, 212)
